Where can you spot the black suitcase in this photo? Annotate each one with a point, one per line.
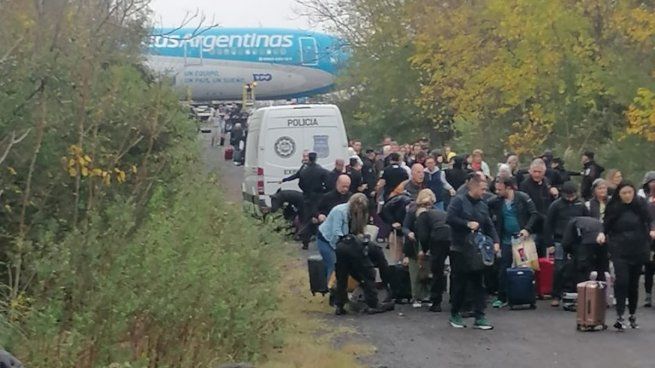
(400, 284)
(318, 282)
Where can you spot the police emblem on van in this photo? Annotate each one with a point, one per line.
(285, 147)
(321, 146)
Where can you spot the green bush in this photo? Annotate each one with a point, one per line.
(193, 285)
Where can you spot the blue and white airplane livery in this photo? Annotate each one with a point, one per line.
(215, 64)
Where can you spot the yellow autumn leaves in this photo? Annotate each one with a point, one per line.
(79, 163)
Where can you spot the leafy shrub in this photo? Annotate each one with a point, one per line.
(194, 284)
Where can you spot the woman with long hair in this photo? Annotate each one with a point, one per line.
(628, 229)
(354, 255)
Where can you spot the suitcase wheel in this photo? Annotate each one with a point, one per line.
(511, 307)
(533, 306)
(604, 327)
(578, 327)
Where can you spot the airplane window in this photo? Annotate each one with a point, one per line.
(283, 52)
(254, 51)
(268, 51)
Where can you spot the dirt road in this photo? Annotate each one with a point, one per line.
(545, 337)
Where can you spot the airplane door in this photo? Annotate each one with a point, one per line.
(308, 51)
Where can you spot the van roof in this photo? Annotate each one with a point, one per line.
(288, 107)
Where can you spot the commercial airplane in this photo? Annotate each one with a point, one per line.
(215, 64)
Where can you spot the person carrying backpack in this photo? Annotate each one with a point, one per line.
(468, 214)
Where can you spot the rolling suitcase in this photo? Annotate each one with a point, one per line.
(400, 284)
(229, 153)
(592, 305)
(520, 287)
(318, 282)
(544, 277)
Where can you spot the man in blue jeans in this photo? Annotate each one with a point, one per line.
(515, 216)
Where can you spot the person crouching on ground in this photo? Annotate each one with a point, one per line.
(354, 253)
(466, 214)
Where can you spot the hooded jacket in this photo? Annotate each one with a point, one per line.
(580, 240)
(627, 227)
(559, 215)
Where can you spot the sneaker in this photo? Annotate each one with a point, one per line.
(482, 324)
(376, 310)
(649, 301)
(305, 246)
(620, 324)
(456, 321)
(436, 308)
(340, 311)
(554, 303)
(498, 304)
(633, 322)
(417, 304)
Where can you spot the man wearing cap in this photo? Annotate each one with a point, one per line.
(563, 210)
(313, 183)
(590, 172)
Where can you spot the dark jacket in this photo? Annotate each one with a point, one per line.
(559, 215)
(458, 174)
(579, 239)
(356, 179)
(627, 229)
(590, 172)
(526, 212)
(332, 179)
(433, 232)
(296, 175)
(540, 195)
(313, 179)
(394, 210)
(331, 200)
(463, 209)
(594, 209)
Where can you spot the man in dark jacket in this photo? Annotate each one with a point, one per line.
(580, 240)
(590, 172)
(339, 195)
(560, 213)
(467, 214)
(339, 165)
(514, 215)
(537, 187)
(392, 176)
(313, 183)
(354, 171)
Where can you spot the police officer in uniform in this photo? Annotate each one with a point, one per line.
(313, 183)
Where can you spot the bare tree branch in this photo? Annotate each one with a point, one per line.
(13, 141)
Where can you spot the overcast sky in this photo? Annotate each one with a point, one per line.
(233, 13)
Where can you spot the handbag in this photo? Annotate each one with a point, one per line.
(480, 252)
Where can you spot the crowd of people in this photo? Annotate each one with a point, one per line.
(426, 203)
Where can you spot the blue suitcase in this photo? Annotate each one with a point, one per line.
(521, 288)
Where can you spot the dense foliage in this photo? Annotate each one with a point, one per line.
(517, 75)
(114, 249)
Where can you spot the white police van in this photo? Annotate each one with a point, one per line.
(277, 137)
